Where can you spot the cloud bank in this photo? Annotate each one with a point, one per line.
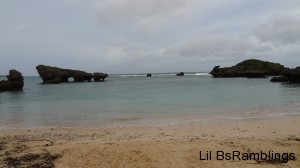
(128, 36)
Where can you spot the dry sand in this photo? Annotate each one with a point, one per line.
(151, 146)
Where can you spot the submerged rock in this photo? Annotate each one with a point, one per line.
(149, 75)
(279, 79)
(15, 81)
(99, 76)
(293, 75)
(54, 75)
(180, 74)
(249, 68)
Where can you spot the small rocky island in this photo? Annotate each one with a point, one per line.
(180, 74)
(55, 75)
(254, 68)
(251, 68)
(14, 82)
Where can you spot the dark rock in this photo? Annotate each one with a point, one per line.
(54, 75)
(99, 76)
(254, 74)
(249, 68)
(180, 74)
(2, 146)
(80, 76)
(15, 81)
(293, 75)
(149, 75)
(44, 160)
(279, 79)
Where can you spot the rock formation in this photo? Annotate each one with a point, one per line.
(15, 81)
(98, 76)
(279, 79)
(149, 75)
(293, 75)
(180, 74)
(54, 75)
(249, 68)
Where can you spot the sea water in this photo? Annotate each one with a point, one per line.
(134, 99)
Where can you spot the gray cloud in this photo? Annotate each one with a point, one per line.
(284, 29)
(220, 46)
(26, 27)
(122, 36)
(122, 11)
(147, 16)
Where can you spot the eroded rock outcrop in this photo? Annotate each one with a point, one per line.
(54, 75)
(98, 76)
(249, 68)
(15, 81)
(293, 75)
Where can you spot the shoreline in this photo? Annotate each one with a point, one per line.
(157, 146)
(157, 121)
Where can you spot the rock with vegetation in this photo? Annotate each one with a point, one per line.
(180, 74)
(251, 68)
(98, 76)
(14, 82)
(54, 75)
(293, 75)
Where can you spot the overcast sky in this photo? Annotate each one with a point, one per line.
(129, 36)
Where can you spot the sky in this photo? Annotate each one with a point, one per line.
(146, 36)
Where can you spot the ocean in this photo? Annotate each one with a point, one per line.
(134, 99)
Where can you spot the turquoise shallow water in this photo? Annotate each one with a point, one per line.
(136, 99)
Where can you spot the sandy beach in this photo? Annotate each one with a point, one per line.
(152, 146)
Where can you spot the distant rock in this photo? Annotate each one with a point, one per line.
(293, 75)
(180, 74)
(249, 68)
(14, 82)
(98, 76)
(54, 75)
(149, 75)
(279, 79)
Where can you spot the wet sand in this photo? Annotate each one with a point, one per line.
(153, 146)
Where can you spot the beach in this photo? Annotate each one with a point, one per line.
(177, 145)
(165, 121)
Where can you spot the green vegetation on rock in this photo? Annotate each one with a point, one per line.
(249, 68)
